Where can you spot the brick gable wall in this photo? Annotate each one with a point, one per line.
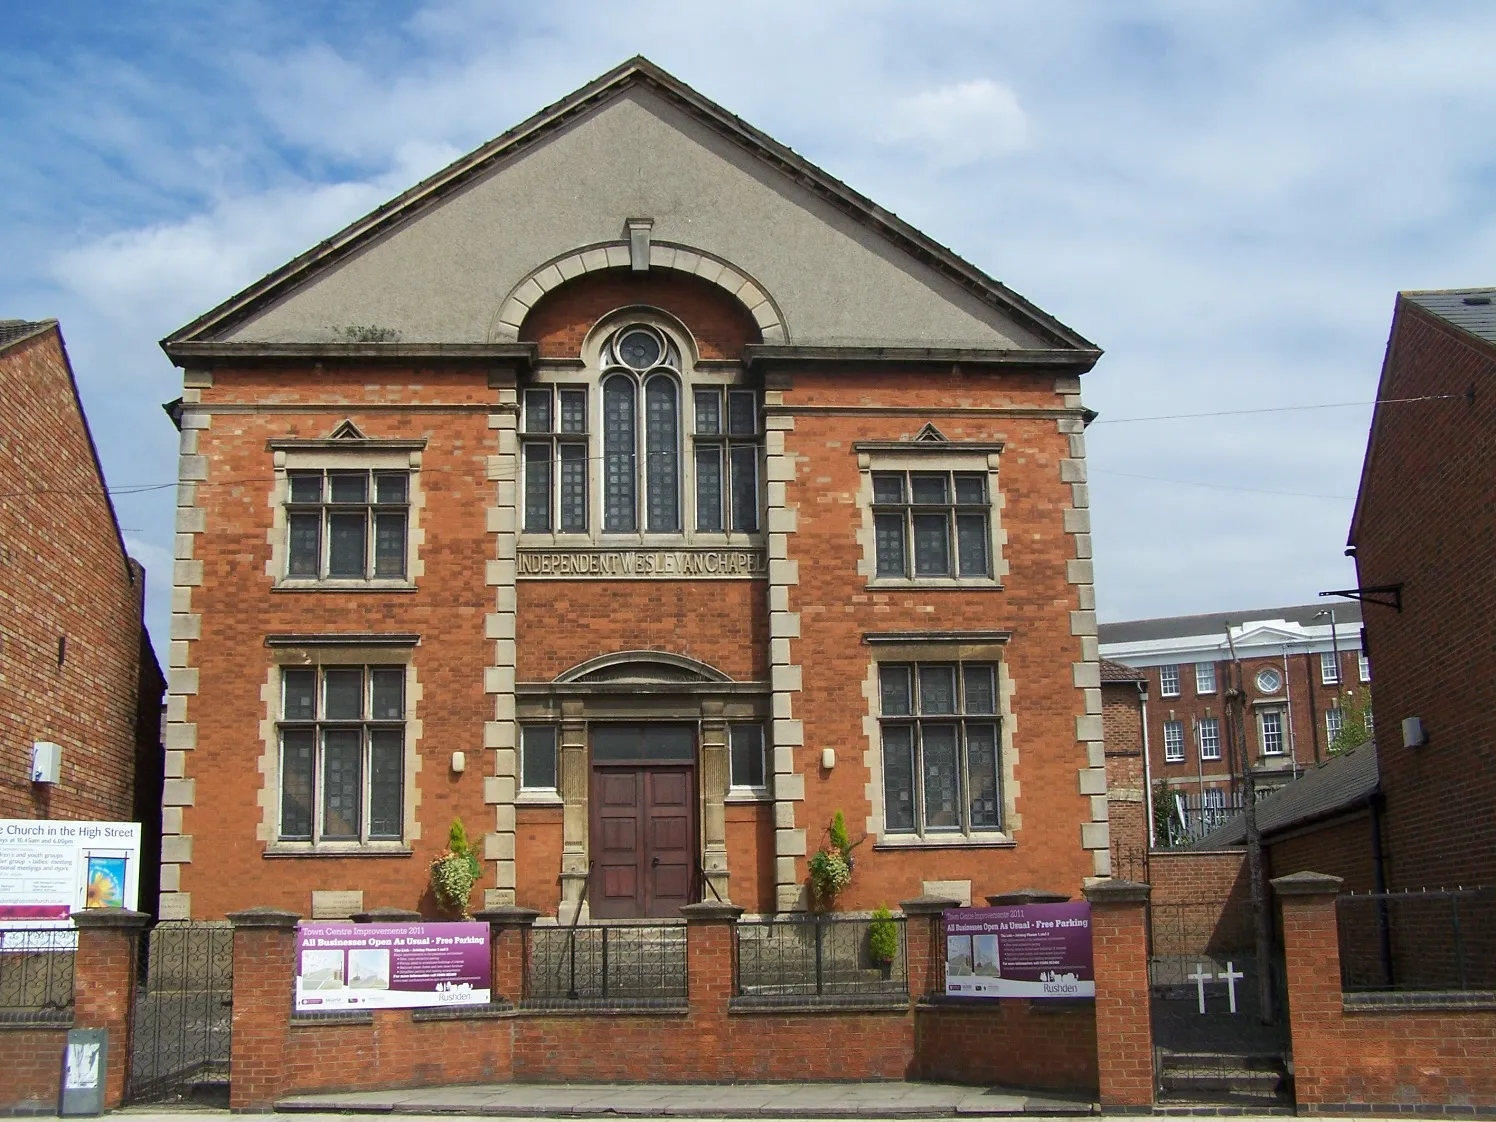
(1424, 522)
(63, 577)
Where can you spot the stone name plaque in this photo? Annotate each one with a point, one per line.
(642, 564)
(336, 905)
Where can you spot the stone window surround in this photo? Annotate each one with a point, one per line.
(940, 647)
(939, 456)
(369, 453)
(587, 372)
(709, 705)
(304, 651)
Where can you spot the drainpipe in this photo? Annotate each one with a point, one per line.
(1147, 762)
(1293, 748)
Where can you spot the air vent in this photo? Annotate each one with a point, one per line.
(1477, 300)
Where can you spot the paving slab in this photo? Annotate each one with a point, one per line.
(780, 1101)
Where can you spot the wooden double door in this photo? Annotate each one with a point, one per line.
(643, 820)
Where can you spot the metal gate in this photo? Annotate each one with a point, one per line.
(181, 1036)
(1212, 1040)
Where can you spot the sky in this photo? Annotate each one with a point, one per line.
(1226, 197)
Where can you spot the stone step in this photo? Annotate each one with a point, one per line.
(1241, 1078)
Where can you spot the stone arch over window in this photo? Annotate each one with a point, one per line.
(667, 257)
(641, 667)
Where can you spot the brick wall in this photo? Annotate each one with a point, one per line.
(1344, 848)
(32, 1045)
(1181, 877)
(561, 319)
(1126, 783)
(1401, 1054)
(836, 608)
(223, 813)
(1423, 521)
(63, 576)
(1041, 1045)
(31, 1058)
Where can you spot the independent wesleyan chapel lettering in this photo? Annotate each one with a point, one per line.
(637, 563)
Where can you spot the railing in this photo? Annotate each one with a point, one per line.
(606, 965)
(1185, 819)
(36, 969)
(1441, 941)
(800, 959)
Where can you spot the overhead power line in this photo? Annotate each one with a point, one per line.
(1276, 409)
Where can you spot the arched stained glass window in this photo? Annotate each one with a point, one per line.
(662, 454)
(619, 464)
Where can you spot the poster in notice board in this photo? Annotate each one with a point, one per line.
(343, 966)
(1026, 950)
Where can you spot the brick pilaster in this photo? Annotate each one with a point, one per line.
(924, 944)
(264, 989)
(1311, 951)
(104, 985)
(509, 943)
(1124, 1031)
(711, 930)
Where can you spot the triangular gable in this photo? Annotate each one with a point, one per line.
(930, 435)
(347, 431)
(370, 272)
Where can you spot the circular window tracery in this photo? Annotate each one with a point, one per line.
(639, 348)
(1269, 680)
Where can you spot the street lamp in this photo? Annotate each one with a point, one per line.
(1334, 643)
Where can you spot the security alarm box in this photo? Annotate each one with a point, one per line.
(46, 762)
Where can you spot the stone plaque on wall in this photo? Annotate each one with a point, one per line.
(642, 564)
(336, 905)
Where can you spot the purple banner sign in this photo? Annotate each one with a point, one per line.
(391, 966)
(1029, 950)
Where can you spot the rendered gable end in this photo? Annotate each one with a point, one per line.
(443, 273)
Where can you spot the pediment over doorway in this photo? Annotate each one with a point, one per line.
(641, 668)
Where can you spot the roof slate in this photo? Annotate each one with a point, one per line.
(1347, 614)
(1340, 783)
(1463, 307)
(14, 330)
(1114, 671)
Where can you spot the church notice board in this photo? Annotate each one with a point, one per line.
(391, 966)
(1026, 950)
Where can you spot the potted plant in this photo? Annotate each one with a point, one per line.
(831, 865)
(454, 871)
(883, 940)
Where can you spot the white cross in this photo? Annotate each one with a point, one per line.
(1231, 977)
(1200, 977)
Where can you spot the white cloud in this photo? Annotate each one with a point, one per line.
(960, 124)
(1226, 198)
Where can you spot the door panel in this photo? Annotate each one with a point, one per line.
(671, 851)
(643, 813)
(617, 810)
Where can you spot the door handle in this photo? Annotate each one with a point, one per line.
(655, 863)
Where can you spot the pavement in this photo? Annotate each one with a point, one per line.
(779, 1101)
(734, 1100)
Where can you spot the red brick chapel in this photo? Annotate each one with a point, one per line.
(643, 496)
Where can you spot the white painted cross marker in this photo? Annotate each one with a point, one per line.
(1231, 977)
(1200, 977)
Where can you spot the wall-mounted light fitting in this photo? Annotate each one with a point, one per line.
(1413, 734)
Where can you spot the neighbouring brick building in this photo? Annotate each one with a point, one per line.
(1423, 541)
(1297, 670)
(641, 495)
(76, 665)
(1124, 712)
